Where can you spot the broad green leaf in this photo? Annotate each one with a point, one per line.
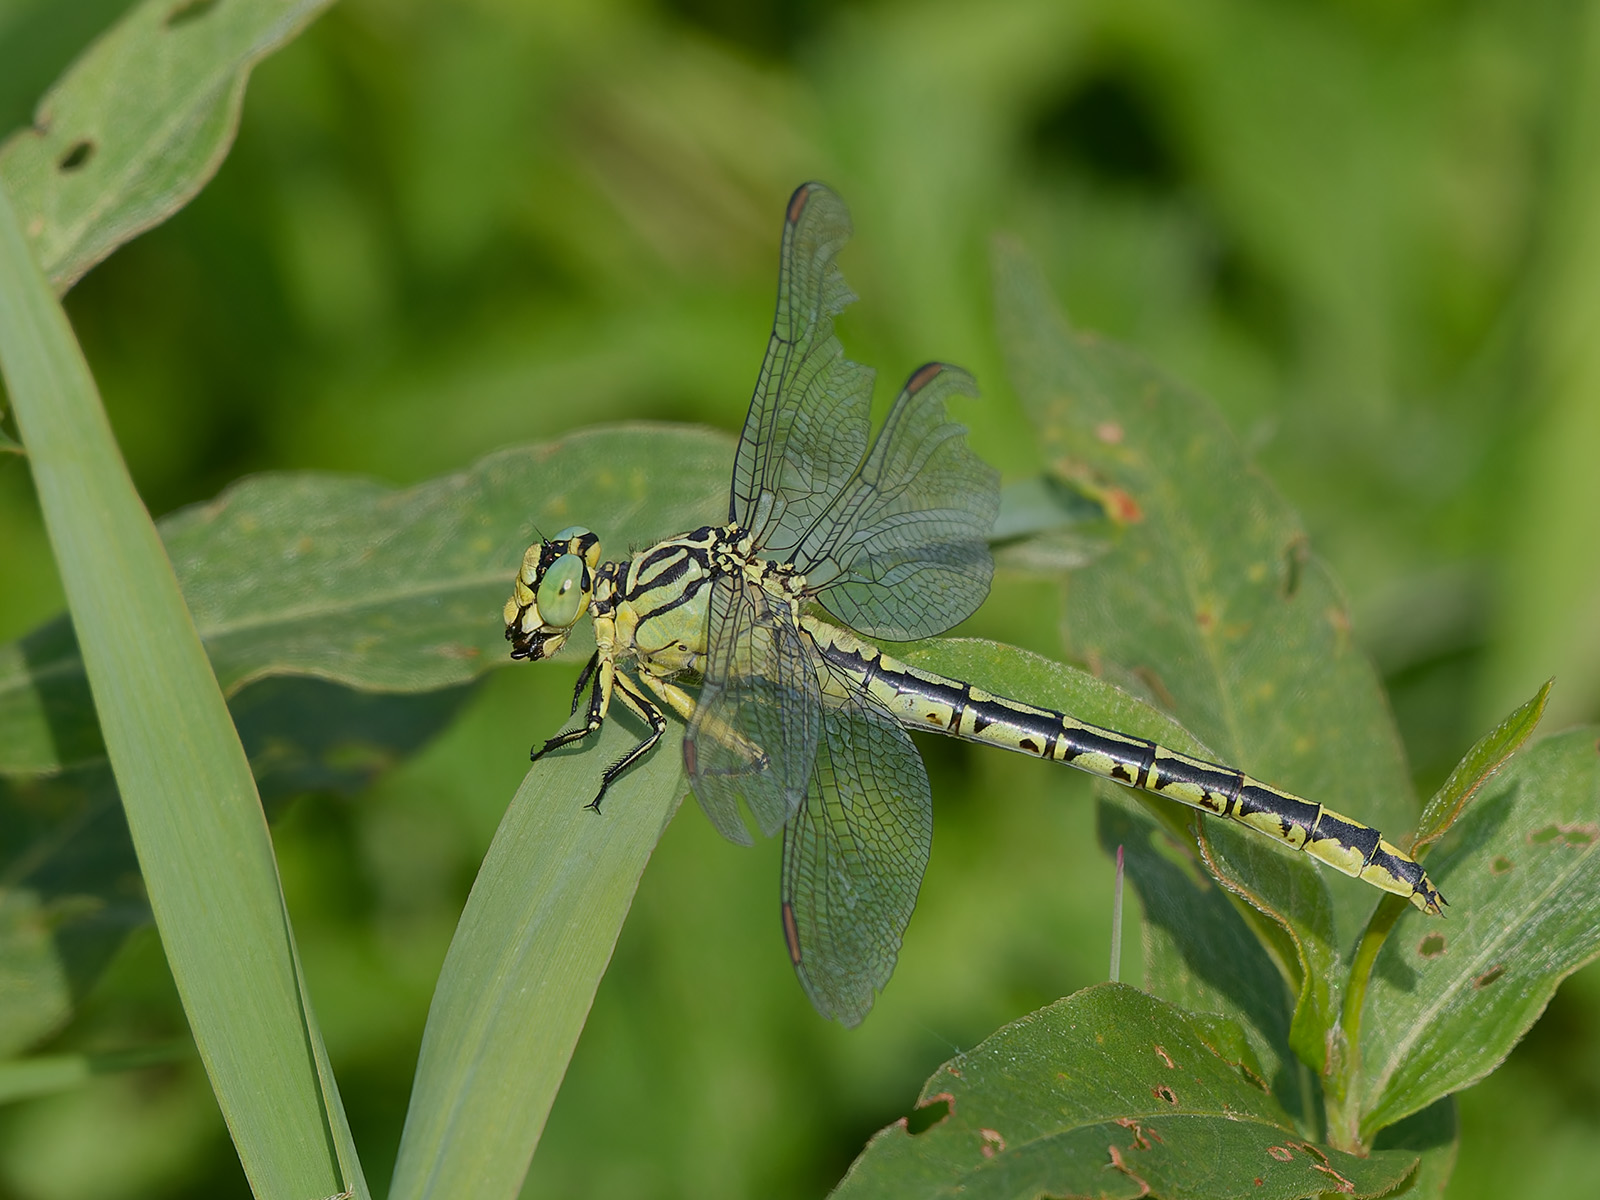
(528, 954)
(24, 1078)
(303, 573)
(185, 783)
(1108, 1093)
(370, 586)
(138, 124)
(1449, 999)
(1199, 950)
(1211, 603)
(70, 865)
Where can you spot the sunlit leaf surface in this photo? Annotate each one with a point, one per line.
(1212, 605)
(1108, 1093)
(138, 124)
(1449, 1000)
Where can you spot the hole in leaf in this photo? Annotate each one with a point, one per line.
(1580, 835)
(1544, 835)
(1492, 975)
(1281, 1153)
(188, 10)
(1164, 1093)
(925, 1116)
(1431, 946)
(1295, 556)
(1500, 865)
(77, 155)
(993, 1143)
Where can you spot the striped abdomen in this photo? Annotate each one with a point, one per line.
(922, 700)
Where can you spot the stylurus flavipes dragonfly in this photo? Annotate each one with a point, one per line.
(797, 718)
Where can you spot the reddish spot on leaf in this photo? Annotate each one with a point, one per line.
(1165, 1057)
(1492, 975)
(1206, 619)
(993, 1143)
(1108, 432)
(1258, 1181)
(1431, 946)
(1500, 865)
(1121, 507)
(1281, 1153)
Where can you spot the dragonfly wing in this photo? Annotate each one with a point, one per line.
(853, 858)
(806, 430)
(755, 729)
(902, 553)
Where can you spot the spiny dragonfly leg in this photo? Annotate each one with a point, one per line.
(658, 726)
(599, 684)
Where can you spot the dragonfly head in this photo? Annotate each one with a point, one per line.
(551, 592)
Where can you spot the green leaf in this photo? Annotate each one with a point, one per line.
(1108, 1093)
(138, 124)
(371, 586)
(303, 573)
(185, 782)
(1449, 1000)
(1211, 604)
(1477, 768)
(1435, 1135)
(528, 954)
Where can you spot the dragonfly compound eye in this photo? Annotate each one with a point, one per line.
(560, 596)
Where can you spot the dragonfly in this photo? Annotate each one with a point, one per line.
(834, 537)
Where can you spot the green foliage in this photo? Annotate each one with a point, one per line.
(1111, 1093)
(446, 228)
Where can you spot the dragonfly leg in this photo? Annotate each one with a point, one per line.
(682, 703)
(658, 726)
(584, 677)
(603, 674)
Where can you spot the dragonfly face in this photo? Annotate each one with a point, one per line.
(552, 590)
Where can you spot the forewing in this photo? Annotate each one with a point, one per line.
(853, 858)
(902, 552)
(806, 430)
(755, 729)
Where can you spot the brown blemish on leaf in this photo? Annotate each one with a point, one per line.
(1281, 1153)
(1342, 1184)
(1500, 865)
(1164, 1093)
(1206, 619)
(1121, 507)
(1158, 689)
(1162, 1054)
(187, 10)
(1109, 432)
(993, 1143)
(1141, 1137)
(1119, 1164)
(1431, 946)
(1314, 1150)
(1492, 975)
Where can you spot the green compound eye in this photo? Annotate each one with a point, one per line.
(559, 597)
(571, 531)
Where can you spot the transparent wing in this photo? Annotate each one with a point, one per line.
(853, 858)
(902, 551)
(755, 729)
(807, 426)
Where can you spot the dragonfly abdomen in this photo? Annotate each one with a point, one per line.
(922, 700)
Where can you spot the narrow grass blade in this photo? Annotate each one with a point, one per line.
(185, 781)
(528, 954)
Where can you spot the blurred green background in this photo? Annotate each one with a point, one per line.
(1368, 229)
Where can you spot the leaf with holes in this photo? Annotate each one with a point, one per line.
(1211, 604)
(138, 124)
(1108, 1093)
(1449, 999)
